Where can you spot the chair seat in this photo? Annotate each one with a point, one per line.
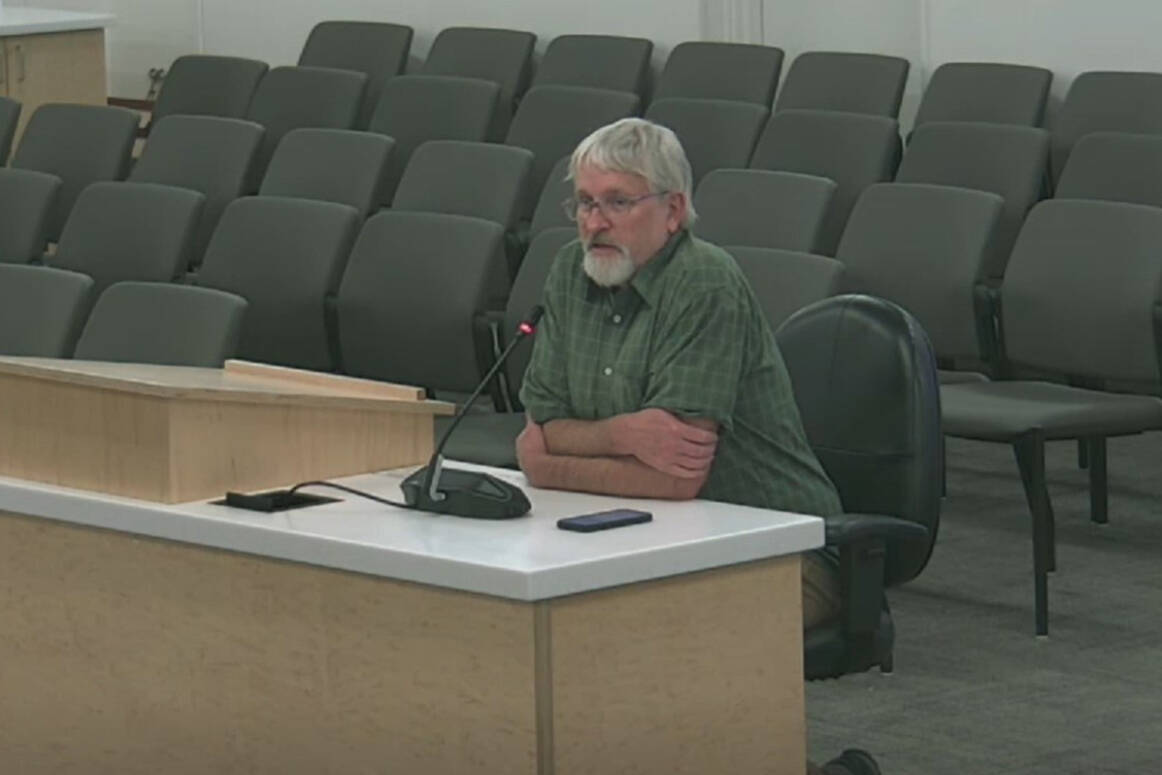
(960, 377)
(484, 438)
(1003, 411)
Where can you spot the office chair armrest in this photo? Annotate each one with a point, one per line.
(486, 335)
(986, 300)
(845, 529)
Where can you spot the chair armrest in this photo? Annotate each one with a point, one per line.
(986, 301)
(486, 335)
(846, 529)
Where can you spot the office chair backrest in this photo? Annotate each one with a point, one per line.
(26, 201)
(330, 165)
(991, 92)
(411, 293)
(377, 49)
(924, 247)
(1010, 161)
(786, 281)
(130, 231)
(853, 83)
(853, 150)
(415, 109)
(41, 310)
(175, 325)
(716, 134)
(763, 208)
(482, 180)
(1082, 290)
(549, 212)
(1115, 166)
(284, 256)
(865, 382)
(598, 61)
(80, 144)
(9, 118)
(204, 85)
(210, 155)
(721, 71)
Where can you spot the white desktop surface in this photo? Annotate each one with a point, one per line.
(34, 21)
(525, 559)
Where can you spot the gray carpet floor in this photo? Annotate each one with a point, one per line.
(974, 691)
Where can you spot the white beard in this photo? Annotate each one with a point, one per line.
(608, 271)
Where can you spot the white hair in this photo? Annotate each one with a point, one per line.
(639, 147)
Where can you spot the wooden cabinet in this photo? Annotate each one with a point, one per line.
(53, 67)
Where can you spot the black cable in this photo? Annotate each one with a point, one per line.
(346, 489)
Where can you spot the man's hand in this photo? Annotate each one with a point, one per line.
(530, 449)
(666, 443)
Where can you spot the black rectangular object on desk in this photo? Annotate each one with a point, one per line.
(273, 500)
(604, 520)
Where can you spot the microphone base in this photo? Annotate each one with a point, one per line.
(466, 494)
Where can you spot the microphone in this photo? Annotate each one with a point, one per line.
(470, 493)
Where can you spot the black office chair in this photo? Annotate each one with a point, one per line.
(865, 381)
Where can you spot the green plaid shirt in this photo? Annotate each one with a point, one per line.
(686, 335)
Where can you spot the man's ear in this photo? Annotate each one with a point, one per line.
(676, 212)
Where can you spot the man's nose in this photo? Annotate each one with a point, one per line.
(594, 217)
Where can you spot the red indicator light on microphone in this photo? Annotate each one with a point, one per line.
(526, 329)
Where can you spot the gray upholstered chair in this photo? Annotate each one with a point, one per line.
(716, 134)
(26, 201)
(42, 310)
(853, 83)
(9, 117)
(175, 325)
(130, 231)
(610, 62)
(284, 256)
(1081, 299)
(786, 281)
(80, 144)
(379, 50)
(721, 71)
(763, 209)
(549, 213)
(205, 85)
(553, 119)
(1007, 160)
(991, 92)
(415, 109)
(865, 383)
(213, 156)
(330, 165)
(1115, 166)
(853, 150)
(1106, 101)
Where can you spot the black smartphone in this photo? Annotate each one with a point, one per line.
(604, 520)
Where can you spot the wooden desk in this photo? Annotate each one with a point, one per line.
(141, 637)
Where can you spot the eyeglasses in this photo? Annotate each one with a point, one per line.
(611, 207)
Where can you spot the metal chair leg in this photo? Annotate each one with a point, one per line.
(1098, 481)
(1082, 454)
(1030, 453)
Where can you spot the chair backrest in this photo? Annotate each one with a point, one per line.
(80, 144)
(498, 55)
(205, 85)
(762, 208)
(557, 188)
(865, 382)
(284, 256)
(786, 281)
(330, 165)
(415, 109)
(297, 97)
(854, 83)
(923, 247)
(853, 150)
(41, 310)
(716, 134)
(598, 61)
(377, 49)
(1006, 160)
(553, 119)
(1101, 101)
(210, 155)
(482, 180)
(527, 291)
(9, 118)
(26, 200)
(1082, 289)
(991, 92)
(413, 288)
(175, 325)
(130, 231)
(1115, 166)
(721, 71)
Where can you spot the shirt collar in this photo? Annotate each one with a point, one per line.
(647, 282)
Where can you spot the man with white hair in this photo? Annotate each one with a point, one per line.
(654, 373)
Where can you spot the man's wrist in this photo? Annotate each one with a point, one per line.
(617, 428)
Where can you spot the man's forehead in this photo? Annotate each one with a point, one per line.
(590, 176)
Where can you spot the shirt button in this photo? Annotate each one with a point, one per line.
(617, 318)
(608, 371)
